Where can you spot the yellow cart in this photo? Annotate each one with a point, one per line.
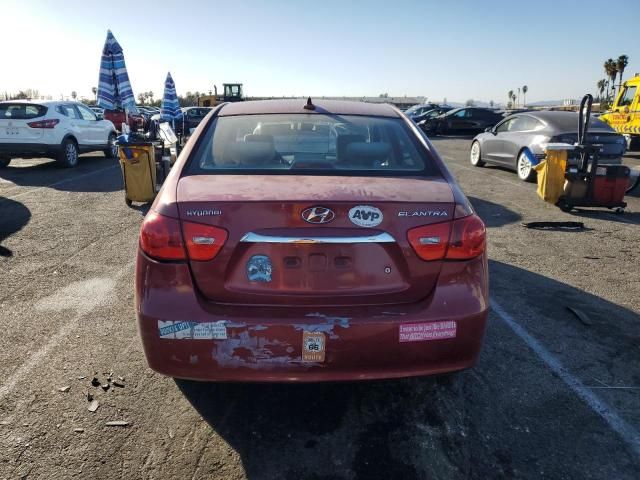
(138, 164)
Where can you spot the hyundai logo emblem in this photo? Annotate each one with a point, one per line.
(318, 215)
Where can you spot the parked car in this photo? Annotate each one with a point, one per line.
(192, 116)
(266, 258)
(465, 120)
(429, 114)
(58, 130)
(417, 110)
(97, 110)
(505, 143)
(136, 121)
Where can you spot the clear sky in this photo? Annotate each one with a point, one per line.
(453, 49)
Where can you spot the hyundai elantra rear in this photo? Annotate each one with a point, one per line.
(310, 241)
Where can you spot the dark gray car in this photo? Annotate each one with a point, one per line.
(505, 143)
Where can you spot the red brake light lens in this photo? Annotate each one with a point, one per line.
(462, 239)
(160, 237)
(203, 241)
(44, 123)
(430, 241)
(468, 238)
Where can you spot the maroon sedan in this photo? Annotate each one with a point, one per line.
(301, 242)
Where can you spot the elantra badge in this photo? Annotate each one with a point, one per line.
(318, 215)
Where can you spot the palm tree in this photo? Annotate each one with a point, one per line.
(518, 97)
(602, 84)
(525, 89)
(94, 90)
(621, 64)
(611, 70)
(513, 99)
(510, 95)
(74, 95)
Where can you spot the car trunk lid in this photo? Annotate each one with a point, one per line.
(273, 256)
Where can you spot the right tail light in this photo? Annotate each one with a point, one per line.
(461, 239)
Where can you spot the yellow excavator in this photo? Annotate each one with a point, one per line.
(232, 92)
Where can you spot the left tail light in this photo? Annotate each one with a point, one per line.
(44, 123)
(203, 241)
(160, 237)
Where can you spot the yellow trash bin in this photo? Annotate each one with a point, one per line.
(138, 164)
(551, 173)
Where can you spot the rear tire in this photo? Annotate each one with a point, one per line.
(525, 170)
(112, 150)
(475, 155)
(68, 156)
(4, 162)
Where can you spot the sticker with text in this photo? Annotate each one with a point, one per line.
(182, 330)
(365, 216)
(420, 332)
(313, 346)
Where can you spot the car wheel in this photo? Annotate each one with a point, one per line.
(68, 157)
(112, 150)
(525, 170)
(4, 162)
(474, 155)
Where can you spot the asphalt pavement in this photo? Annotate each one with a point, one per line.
(555, 395)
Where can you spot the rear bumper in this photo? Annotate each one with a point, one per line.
(265, 344)
(28, 150)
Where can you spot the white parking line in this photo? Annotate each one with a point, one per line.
(62, 182)
(628, 433)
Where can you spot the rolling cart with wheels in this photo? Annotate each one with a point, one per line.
(586, 184)
(138, 164)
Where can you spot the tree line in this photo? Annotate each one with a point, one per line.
(613, 69)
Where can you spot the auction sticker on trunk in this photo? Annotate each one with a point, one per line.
(313, 346)
(182, 330)
(365, 216)
(420, 332)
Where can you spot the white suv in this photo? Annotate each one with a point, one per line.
(58, 130)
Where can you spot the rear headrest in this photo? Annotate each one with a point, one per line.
(251, 137)
(363, 152)
(253, 153)
(341, 144)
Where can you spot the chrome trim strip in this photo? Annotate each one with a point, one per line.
(259, 238)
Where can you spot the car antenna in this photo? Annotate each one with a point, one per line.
(309, 105)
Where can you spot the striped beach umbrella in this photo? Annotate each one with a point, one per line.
(114, 88)
(170, 106)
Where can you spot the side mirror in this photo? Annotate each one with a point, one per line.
(490, 130)
(99, 116)
(626, 109)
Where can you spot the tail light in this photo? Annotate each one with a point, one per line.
(44, 123)
(160, 237)
(430, 241)
(468, 238)
(203, 241)
(462, 239)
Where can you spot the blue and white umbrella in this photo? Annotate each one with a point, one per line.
(170, 106)
(114, 88)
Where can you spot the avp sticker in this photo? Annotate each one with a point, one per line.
(180, 330)
(313, 346)
(420, 332)
(365, 216)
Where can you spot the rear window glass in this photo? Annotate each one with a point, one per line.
(21, 111)
(310, 143)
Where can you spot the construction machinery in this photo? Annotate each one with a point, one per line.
(232, 92)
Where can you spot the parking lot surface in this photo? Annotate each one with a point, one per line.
(555, 394)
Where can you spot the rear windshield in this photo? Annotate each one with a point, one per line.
(21, 111)
(312, 144)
